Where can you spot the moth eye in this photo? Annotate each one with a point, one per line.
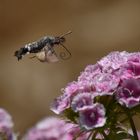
(41, 56)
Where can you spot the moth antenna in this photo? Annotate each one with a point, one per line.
(63, 55)
(69, 32)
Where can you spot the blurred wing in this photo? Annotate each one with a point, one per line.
(64, 56)
(47, 56)
(51, 57)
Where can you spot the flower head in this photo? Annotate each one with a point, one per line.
(60, 104)
(89, 72)
(84, 101)
(53, 129)
(92, 116)
(6, 125)
(128, 93)
(81, 100)
(106, 82)
(113, 61)
(63, 102)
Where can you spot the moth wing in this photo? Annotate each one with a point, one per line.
(47, 56)
(51, 57)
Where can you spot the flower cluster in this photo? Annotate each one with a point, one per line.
(6, 126)
(53, 128)
(98, 105)
(90, 100)
(126, 68)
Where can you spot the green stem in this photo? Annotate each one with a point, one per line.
(129, 114)
(133, 128)
(94, 135)
(105, 136)
(132, 124)
(77, 135)
(90, 136)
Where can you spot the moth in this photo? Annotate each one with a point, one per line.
(44, 49)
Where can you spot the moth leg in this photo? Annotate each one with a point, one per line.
(49, 48)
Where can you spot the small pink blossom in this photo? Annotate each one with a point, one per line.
(71, 89)
(6, 125)
(53, 129)
(113, 61)
(89, 72)
(106, 82)
(81, 100)
(60, 104)
(93, 116)
(86, 86)
(128, 93)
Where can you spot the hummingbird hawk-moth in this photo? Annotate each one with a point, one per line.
(44, 49)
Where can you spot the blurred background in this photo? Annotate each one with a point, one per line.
(28, 87)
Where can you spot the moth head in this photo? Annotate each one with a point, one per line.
(61, 39)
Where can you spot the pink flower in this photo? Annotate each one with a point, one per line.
(113, 61)
(53, 129)
(85, 86)
(60, 104)
(63, 102)
(71, 89)
(106, 82)
(6, 125)
(81, 100)
(128, 93)
(117, 74)
(89, 73)
(93, 116)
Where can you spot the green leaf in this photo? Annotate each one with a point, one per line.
(120, 136)
(136, 109)
(71, 115)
